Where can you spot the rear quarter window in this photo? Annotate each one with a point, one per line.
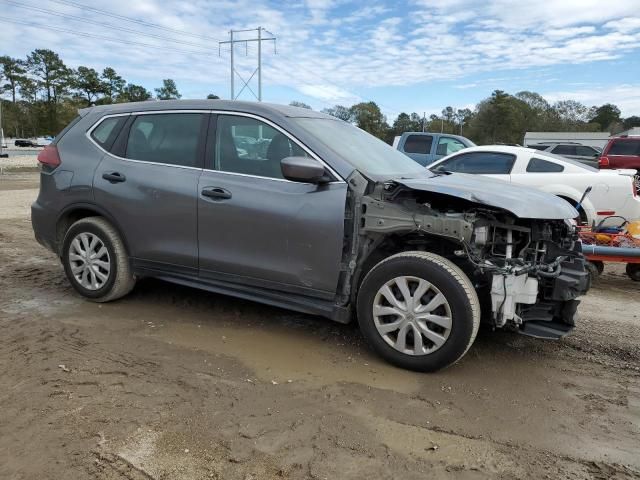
(107, 131)
(537, 165)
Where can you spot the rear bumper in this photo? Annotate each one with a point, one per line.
(43, 223)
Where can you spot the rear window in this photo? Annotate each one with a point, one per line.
(625, 147)
(107, 131)
(418, 144)
(538, 147)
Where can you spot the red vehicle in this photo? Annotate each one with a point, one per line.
(622, 152)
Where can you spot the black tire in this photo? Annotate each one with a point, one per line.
(449, 280)
(633, 271)
(595, 269)
(120, 279)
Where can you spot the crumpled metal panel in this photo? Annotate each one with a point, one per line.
(523, 202)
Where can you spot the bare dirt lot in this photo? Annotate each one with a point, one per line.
(176, 383)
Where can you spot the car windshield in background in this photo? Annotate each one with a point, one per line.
(364, 151)
(566, 160)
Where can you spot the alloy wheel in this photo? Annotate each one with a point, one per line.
(89, 261)
(412, 315)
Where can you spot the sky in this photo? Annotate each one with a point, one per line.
(415, 56)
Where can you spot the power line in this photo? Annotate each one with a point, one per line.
(133, 20)
(109, 25)
(101, 37)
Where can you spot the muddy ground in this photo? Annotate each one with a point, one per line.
(176, 383)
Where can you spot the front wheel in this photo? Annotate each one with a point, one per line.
(418, 310)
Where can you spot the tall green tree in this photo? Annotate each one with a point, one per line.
(88, 84)
(13, 70)
(212, 96)
(133, 93)
(605, 115)
(168, 91)
(112, 84)
(52, 77)
(630, 122)
(368, 117)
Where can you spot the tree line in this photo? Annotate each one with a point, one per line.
(45, 94)
(500, 118)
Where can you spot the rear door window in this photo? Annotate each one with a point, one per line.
(537, 165)
(564, 150)
(586, 151)
(418, 144)
(107, 131)
(482, 163)
(448, 145)
(169, 138)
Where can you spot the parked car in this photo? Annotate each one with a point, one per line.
(426, 147)
(332, 221)
(42, 141)
(622, 152)
(21, 142)
(575, 151)
(612, 193)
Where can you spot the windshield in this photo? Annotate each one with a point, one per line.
(362, 150)
(567, 160)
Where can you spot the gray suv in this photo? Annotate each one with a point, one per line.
(298, 209)
(585, 154)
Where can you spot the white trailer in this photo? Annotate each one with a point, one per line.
(593, 139)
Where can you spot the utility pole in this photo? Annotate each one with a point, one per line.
(232, 41)
(424, 120)
(2, 155)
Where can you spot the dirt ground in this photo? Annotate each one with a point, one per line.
(176, 383)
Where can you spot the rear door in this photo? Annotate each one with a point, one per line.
(418, 147)
(148, 184)
(257, 228)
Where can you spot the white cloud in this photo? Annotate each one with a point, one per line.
(626, 97)
(332, 49)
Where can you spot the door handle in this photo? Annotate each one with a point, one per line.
(114, 177)
(216, 193)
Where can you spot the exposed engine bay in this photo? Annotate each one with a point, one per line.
(527, 272)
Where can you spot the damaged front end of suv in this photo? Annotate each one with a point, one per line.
(518, 247)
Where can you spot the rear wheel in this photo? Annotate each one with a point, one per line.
(418, 311)
(95, 260)
(633, 271)
(595, 269)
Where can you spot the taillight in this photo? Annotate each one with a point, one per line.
(49, 156)
(603, 162)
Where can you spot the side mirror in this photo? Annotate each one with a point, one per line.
(303, 169)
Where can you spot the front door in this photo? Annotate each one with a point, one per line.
(149, 186)
(257, 228)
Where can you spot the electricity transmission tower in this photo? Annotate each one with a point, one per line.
(232, 41)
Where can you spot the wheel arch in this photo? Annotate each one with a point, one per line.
(77, 211)
(397, 242)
